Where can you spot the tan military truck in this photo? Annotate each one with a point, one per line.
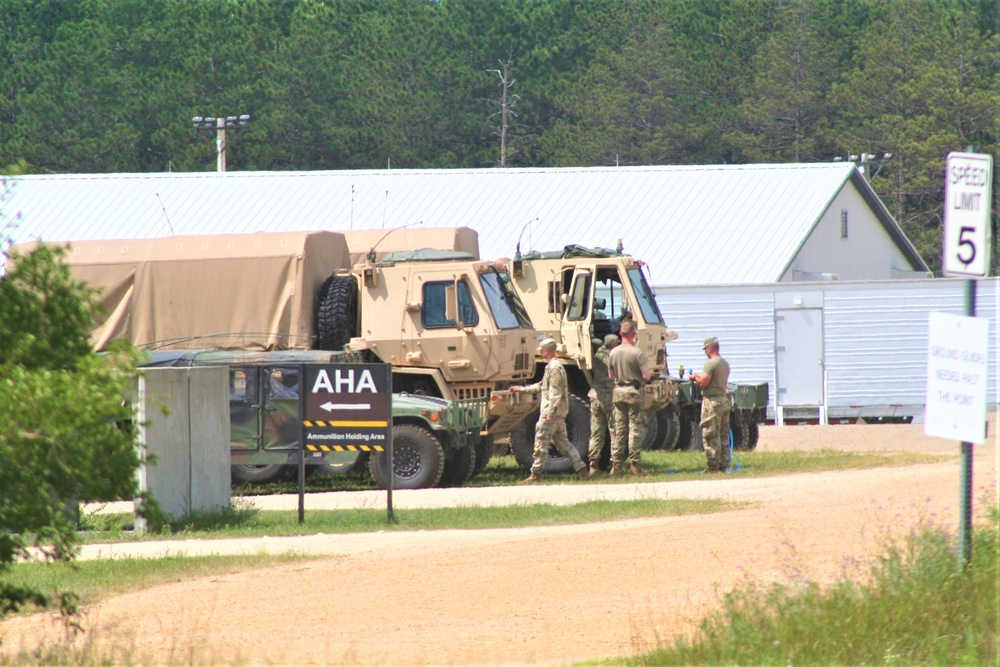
(447, 323)
(577, 296)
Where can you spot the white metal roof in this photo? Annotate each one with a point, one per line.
(758, 216)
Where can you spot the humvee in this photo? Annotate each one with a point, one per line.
(435, 440)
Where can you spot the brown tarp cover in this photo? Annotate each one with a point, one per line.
(360, 241)
(234, 291)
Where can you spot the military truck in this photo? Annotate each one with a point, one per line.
(447, 323)
(577, 296)
(264, 409)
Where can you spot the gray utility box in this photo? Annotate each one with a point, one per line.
(184, 413)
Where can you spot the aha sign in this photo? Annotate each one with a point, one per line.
(967, 190)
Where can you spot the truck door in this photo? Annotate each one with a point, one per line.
(576, 329)
(450, 320)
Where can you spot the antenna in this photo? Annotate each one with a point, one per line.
(517, 251)
(164, 209)
(371, 253)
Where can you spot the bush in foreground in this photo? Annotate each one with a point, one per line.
(913, 607)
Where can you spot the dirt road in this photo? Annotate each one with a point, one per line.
(536, 596)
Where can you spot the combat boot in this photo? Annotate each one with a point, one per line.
(595, 467)
(616, 469)
(635, 469)
(532, 479)
(583, 473)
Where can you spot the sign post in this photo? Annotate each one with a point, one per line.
(966, 252)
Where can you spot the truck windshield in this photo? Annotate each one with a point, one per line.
(506, 306)
(644, 297)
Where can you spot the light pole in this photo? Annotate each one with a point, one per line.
(219, 126)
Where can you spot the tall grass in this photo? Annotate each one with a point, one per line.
(912, 606)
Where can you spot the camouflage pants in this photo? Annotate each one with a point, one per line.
(630, 425)
(602, 418)
(715, 431)
(548, 435)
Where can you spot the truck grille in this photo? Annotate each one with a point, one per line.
(661, 358)
(524, 361)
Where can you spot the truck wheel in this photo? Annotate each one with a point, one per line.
(259, 474)
(336, 313)
(484, 452)
(652, 439)
(577, 430)
(738, 429)
(418, 460)
(754, 430)
(670, 427)
(689, 434)
(459, 463)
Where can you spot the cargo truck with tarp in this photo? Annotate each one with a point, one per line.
(450, 328)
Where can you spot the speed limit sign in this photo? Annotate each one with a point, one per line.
(968, 180)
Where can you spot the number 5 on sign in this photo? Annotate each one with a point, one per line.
(967, 185)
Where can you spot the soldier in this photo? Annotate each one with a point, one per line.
(551, 427)
(715, 407)
(628, 367)
(601, 409)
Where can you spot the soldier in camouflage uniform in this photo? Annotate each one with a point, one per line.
(602, 412)
(551, 427)
(629, 368)
(715, 408)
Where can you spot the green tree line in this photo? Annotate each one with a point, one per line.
(98, 86)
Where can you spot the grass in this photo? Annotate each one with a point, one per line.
(246, 521)
(661, 466)
(913, 606)
(93, 580)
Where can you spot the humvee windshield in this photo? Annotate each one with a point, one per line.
(508, 311)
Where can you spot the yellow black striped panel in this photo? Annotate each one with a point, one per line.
(345, 448)
(354, 424)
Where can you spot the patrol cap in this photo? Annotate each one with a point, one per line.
(548, 343)
(611, 340)
(710, 341)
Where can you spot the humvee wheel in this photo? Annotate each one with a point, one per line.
(738, 429)
(336, 313)
(686, 440)
(577, 430)
(259, 474)
(417, 461)
(753, 428)
(458, 466)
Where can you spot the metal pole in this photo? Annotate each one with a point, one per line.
(220, 142)
(965, 494)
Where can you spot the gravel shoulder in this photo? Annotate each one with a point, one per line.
(530, 596)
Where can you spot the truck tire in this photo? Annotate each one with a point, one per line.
(670, 426)
(336, 313)
(652, 438)
(689, 434)
(739, 432)
(522, 442)
(484, 452)
(754, 430)
(259, 474)
(418, 460)
(459, 463)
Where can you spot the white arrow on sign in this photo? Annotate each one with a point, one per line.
(330, 407)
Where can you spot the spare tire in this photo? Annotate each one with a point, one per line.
(337, 313)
